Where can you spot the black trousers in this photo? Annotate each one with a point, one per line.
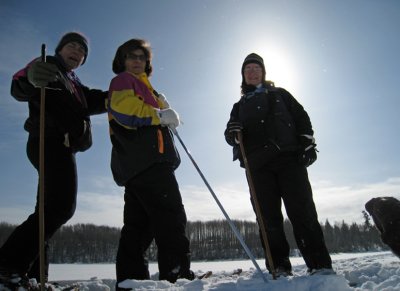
(20, 253)
(285, 180)
(153, 209)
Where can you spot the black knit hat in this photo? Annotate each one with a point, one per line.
(118, 65)
(254, 58)
(74, 37)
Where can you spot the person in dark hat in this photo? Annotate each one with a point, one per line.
(69, 104)
(74, 37)
(143, 160)
(279, 146)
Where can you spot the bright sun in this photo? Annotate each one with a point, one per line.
(279, 66)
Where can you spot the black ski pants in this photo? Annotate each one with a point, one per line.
(286, 180)
(153, 209)
(20, 253)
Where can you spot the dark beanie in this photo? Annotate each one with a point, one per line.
(254, 58)
(74, 37)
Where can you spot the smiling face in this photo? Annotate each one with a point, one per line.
(253, 74)
(135, 62)
(73, 55)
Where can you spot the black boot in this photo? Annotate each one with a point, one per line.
(173, 268)
(184, 271)
(17, 282)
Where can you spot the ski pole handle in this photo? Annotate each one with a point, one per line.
(43, 56)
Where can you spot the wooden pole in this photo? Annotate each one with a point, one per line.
(257, 206)
(41, 180)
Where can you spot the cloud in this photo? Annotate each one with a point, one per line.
(104, 206)
(335, 203)
(15, 215)
(338, 203)
(200, 204)
(99, 209)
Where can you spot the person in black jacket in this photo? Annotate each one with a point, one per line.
(279, 146)
(143, 160)
(67, 130)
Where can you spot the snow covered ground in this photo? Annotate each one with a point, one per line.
(355, 272)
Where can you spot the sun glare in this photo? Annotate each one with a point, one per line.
(279, 66)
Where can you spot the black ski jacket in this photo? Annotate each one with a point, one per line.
(68, 106)
(269, 116)
(135, 151)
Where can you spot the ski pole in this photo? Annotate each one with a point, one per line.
(41, 179)
(231, 224)
(257, 206)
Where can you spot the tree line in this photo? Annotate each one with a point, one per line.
(210, 240)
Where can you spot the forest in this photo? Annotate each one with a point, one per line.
(210, 240)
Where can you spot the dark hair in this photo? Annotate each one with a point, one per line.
(73, 37)
(118, 65)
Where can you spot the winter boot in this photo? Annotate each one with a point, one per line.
(180, 271)
(11, 282)
(282, 267)
(117, 288)
(184, 271)
(283, 272)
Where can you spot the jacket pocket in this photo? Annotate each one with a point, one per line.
(262, 156)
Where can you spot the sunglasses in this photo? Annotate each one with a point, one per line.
(134, 57)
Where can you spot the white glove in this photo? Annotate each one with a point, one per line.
(164, 100)
(169, 117)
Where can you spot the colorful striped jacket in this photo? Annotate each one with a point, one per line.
(138, 139)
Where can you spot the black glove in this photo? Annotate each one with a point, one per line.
(40, 74)
(80, 142)
(232, 128)
(308, 152)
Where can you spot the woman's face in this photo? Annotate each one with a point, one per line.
(135, 62)
(253, 74)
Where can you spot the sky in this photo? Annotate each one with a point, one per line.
(339, 59)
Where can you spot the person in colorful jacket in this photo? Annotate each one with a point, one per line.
(279, 146)
(67, 130)
(143, 160)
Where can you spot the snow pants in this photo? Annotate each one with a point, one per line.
(286, 180)
(153, 210)
(20, 252)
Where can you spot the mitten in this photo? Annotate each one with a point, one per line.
(40, 74)
(169, 117)
(308, 152)
(232, 128)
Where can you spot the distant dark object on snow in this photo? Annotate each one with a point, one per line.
(385, 212)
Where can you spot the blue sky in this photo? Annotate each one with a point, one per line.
(340, 59)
